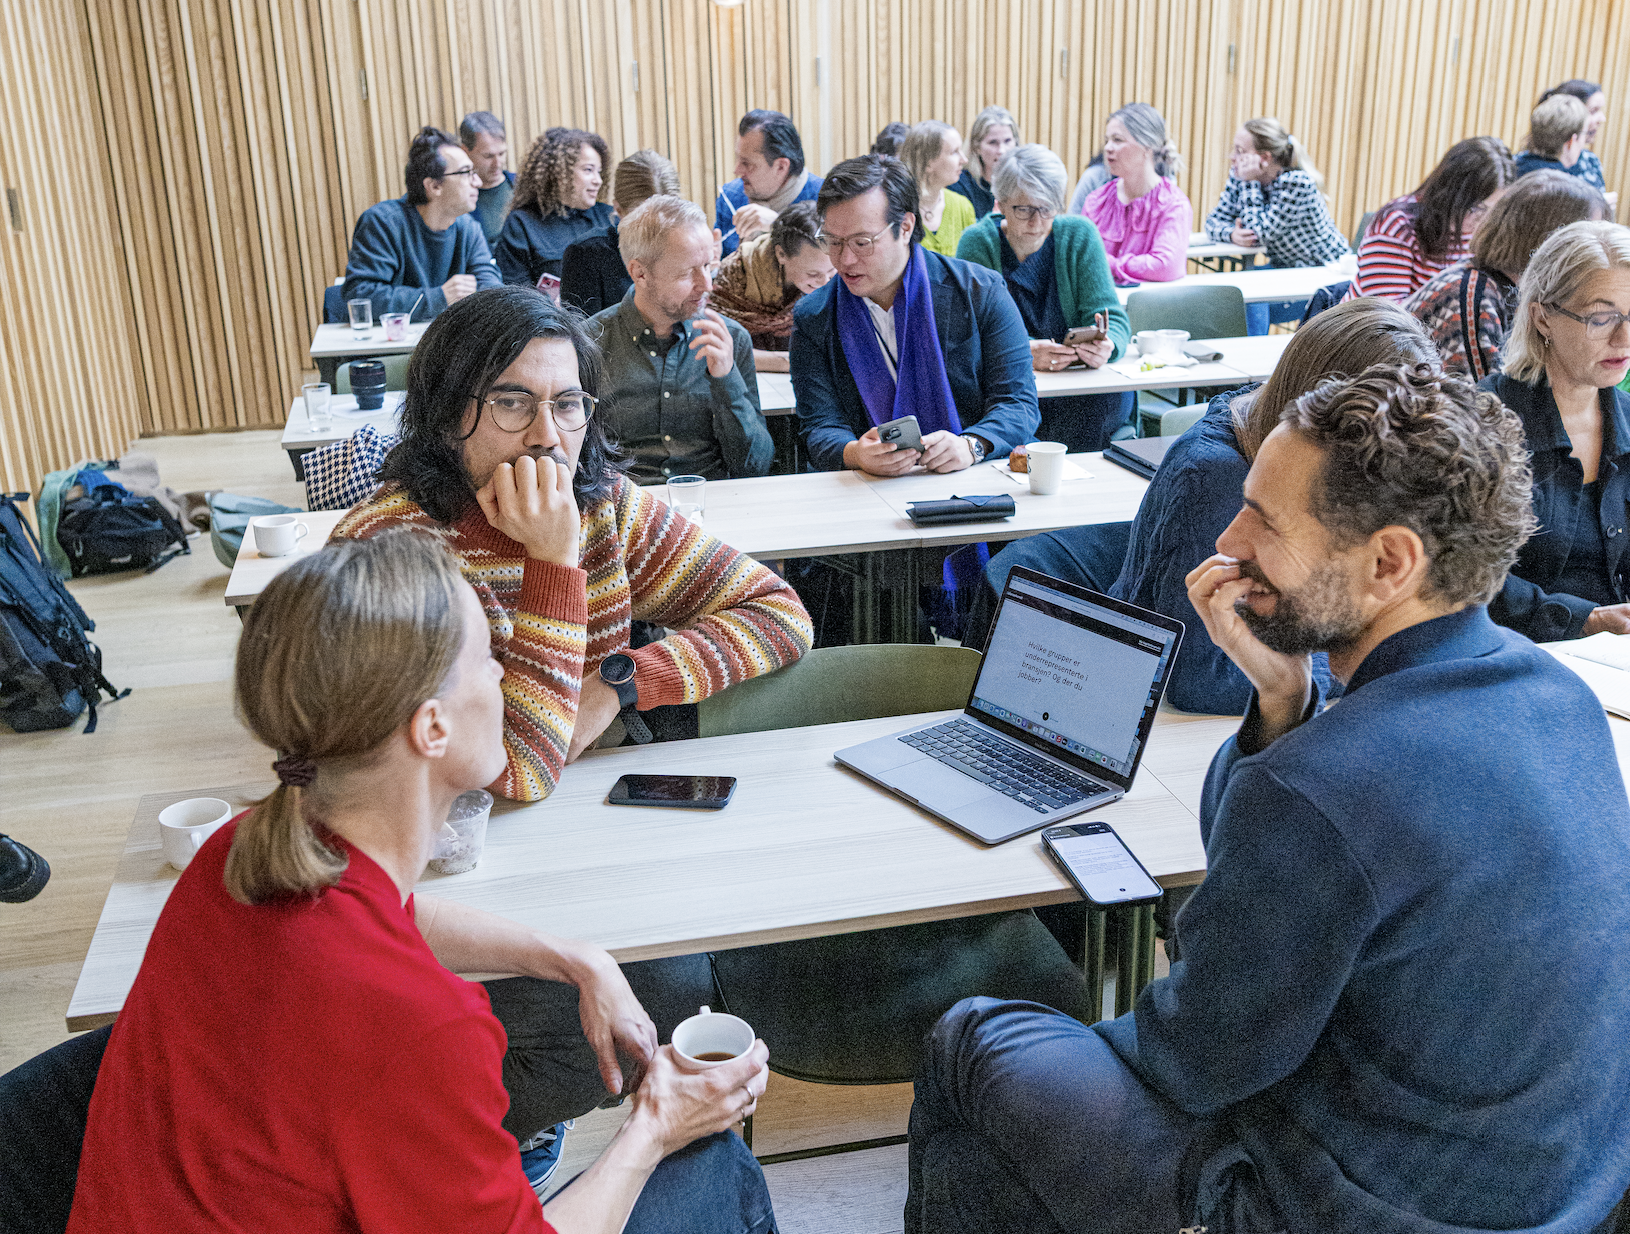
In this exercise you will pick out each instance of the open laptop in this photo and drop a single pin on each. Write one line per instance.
(1057, 720)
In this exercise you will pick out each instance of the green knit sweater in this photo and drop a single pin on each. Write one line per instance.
(1084, 284)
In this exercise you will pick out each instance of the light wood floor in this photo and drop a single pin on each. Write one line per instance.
(71, 797)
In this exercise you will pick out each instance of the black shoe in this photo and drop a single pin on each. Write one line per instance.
(23, 872)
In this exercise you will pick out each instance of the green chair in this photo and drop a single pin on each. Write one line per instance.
(1205, 312)
(1179, 420)
(396, 368)
(1363, 226)
(854, 1008)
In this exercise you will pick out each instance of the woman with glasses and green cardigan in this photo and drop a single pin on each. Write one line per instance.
(1058, 275)
(1568, 349)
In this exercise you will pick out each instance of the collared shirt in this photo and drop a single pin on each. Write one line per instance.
(662, 407)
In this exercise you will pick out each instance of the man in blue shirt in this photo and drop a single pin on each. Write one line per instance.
(1403, 998)
(770, 176)
(423, 251)
(482, 135)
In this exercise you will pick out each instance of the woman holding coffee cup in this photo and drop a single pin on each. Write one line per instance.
(1059, 276)
(296, 1052)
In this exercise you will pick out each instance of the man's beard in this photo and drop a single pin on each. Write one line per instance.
(1318, 616)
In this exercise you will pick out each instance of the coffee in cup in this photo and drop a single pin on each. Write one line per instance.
(710, 1038)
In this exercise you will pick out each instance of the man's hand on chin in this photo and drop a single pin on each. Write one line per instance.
(1282, 682)
(597, 707)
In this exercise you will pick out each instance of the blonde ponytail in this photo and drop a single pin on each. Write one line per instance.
(1272, 138)
(276, 854)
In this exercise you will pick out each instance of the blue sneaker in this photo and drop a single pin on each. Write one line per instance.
(541, 1155)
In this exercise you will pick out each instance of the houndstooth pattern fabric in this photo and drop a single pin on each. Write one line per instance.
(1290, 218)
(342, 473)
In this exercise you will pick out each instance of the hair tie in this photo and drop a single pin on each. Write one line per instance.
(294, 771)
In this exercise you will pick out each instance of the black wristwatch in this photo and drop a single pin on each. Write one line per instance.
(617, 671)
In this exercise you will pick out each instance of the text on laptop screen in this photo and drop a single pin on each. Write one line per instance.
(1072, 673)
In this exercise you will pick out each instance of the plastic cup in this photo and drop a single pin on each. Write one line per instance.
(687, 495)
(317, 396)
(710, 1038)
(185, 826)
(464, 834)
(1046, 466)
(396, 325)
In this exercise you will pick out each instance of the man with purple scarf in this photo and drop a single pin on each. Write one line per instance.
(966, 372)
(903, 332)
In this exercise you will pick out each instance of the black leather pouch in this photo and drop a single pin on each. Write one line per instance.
(986, 509)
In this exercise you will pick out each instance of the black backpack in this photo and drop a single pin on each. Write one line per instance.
(49, 670)
(109, 529)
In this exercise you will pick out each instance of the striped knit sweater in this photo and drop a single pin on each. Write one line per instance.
(732, 618)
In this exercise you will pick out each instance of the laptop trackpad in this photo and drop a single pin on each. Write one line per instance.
(936, 785)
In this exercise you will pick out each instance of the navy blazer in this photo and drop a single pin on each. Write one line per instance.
(987, 359)
(1526, 602)
(1401, 980)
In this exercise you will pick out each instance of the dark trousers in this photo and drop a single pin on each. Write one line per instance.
(1088, 556)
(1025, 1119)
(550, 1071)
(1084, 421)
(712, 1186)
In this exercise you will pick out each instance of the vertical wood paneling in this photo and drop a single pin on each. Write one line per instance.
(172, 282)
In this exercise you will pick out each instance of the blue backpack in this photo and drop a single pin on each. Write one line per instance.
(49, 670)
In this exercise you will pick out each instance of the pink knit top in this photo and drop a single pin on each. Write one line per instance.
(1146, 240)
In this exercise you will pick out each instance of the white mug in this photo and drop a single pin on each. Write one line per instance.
(276, 534)
(711, 1032)
(1046, 466)
(184, 827)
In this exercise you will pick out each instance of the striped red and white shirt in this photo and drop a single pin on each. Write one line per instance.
(1390, 262)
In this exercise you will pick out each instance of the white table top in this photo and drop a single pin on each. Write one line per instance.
(805, 849)
(338, 340)
(1202, 245)
(1259, 286)
(251, 572)
(1253, 358)
(775, 394)
(299, 435)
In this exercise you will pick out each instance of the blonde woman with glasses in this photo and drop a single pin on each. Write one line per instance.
(1568, 349)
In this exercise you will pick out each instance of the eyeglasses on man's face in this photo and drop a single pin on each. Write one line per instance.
(461, 171)
(860, 245)
(515, 410)
(1597, 325)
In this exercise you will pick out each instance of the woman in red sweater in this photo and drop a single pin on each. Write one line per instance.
(296, 1052)
(1414, 236)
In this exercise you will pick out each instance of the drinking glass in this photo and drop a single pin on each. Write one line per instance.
(687, 496)
(316, 397)
(362, 315)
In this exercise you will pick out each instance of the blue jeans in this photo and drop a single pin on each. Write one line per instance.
(711, 1186)
(1025, 1119)
(1258, 317)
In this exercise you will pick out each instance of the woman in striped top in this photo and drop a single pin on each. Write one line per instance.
(1414, 236)
(1468, 308)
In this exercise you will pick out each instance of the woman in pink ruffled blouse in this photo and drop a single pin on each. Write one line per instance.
(1144, 218)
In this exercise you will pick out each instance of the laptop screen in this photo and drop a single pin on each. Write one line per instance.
(1075, 673)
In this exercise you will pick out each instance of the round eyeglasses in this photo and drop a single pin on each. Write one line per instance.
(515, 410)
(860, 244)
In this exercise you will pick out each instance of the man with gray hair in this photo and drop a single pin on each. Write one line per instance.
(482, 135)
(681, 393)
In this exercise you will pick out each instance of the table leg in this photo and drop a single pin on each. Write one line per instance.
(1093, 961)
(297, 460)
(885, 599)
(1135, 960)
(327, 368)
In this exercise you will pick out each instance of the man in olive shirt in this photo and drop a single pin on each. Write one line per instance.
(482, 135)
(680, 394)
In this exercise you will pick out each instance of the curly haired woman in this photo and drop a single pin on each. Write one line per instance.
(556, 202)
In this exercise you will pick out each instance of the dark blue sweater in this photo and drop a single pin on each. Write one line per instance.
(1531, 601)
(531, 246)
(1404, 979)
(987, 360)
(395, 258)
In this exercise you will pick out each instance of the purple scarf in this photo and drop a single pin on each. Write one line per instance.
(923, 390)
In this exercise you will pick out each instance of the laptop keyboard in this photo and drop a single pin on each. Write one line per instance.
(1007, 768)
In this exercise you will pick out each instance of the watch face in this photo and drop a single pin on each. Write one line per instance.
(617, 669)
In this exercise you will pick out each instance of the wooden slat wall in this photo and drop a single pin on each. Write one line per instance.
(69, 381)
(236, 141)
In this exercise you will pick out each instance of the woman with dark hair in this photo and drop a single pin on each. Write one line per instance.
(1414, 236)
(556, 201)
(760, 282)
(296, 1052)
(1468, 308)
(1589, 167)
(889, 138)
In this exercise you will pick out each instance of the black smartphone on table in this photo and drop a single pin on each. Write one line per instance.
(1100, 865)
(904, 433)
(673, 792)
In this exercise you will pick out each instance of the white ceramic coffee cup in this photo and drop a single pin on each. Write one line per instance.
(711, 1032)
(1046, 466)
(1168, 343)
(277, 534)
(184, 827)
